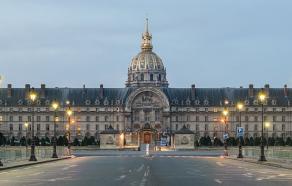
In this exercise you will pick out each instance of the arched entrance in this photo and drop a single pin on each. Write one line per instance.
(147, 108)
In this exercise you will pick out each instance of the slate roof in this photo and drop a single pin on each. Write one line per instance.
(118, 96)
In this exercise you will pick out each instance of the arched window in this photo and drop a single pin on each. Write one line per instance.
(151, 77)
(159, 77)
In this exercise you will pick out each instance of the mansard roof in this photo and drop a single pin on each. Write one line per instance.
(117, 96)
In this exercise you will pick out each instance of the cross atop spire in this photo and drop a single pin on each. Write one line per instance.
(146, 39)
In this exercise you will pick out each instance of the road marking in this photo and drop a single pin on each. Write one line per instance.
(121, 177)
(220, 164)
(3, 172)
(140, 168)
(218, 181)
(35, 174)
(146, 174)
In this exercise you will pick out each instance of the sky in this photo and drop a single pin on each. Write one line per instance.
(208, 43)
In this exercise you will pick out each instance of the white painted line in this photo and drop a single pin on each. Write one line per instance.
(218, 181)
(220, 164)
(140, 168)
(121, 177)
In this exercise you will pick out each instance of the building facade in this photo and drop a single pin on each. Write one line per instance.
(146, 110)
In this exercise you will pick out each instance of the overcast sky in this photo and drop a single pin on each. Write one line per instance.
(210, 43)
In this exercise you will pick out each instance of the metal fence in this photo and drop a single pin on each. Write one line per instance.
(9, 154)
(270, 153)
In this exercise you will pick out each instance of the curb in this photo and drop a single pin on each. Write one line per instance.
(34, 163)
(261, 163)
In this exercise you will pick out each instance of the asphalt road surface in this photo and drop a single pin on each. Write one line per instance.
(142, 171)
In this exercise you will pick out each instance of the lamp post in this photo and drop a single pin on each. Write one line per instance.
(32, 97)
(239, 107)
(262, 98)
(69, 112)
(267, 125)
(55, 106)
(225, 114)
(26, 128)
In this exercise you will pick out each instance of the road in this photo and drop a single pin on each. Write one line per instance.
(143, 171)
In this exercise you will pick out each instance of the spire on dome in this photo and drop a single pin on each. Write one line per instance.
(146, 39)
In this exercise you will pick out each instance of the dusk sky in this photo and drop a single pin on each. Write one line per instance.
(209, 43)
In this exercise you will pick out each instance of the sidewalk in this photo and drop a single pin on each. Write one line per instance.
(22, 163)
(280, 163)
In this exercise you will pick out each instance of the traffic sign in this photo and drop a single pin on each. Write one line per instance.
(225, 136)
(240, 131)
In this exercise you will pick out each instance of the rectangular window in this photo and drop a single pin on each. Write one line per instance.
(105, 127)
(246, 118)
(38, 127)
(29, 118)
(197, 118)
(206, 109)
(283, 109)
(118, 127)
(206, 127)
(117, 118)
(47, 127)
(1, 118)
(283, 118)
(246, 128)
(274, 127)
(256, 118)
(157, 115)
(176, 118)
(20, 118)
(176, 126)
(188, 118)
(47, 118)
(38, 118)
(20, 127)
(97, 127)
(283, 127)
(197, 127)
(105, 118)
(206, 118)
(87, 126)
(11, 127)
(188, 126)
(97, 118)
(255, 127)
(10, 118)
(237, 118)
(87, 118)
(274, 118)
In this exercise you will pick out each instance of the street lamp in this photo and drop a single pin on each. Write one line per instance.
(26, 128)
(32, 97)
(69, 112)
(55, 106)
(225, 114)
(239, 107)
(267, 126)
(262, 98)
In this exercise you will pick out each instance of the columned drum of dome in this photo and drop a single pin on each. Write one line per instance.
(146, 68)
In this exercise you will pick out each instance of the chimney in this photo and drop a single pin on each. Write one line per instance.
(43, 91)
(9, 90)
(285, 91)
(101, 91)
(250, 90)
(193, 92)
(267, 87)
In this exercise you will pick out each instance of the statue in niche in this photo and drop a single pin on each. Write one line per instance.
(184, 140)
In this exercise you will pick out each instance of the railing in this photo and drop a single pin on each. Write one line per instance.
(9, 154)
(270, 153)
